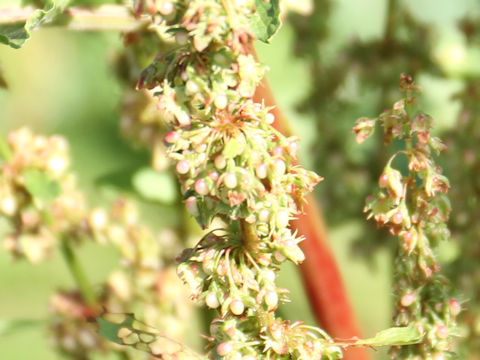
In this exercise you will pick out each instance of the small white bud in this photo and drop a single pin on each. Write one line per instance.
(211, 300)
(230, 180)
(182, 167)
(237, 307)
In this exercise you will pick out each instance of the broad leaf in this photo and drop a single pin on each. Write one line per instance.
(155, 186)
(40, 185)
(15, 34)
(266, 20)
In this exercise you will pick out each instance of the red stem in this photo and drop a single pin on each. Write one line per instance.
(320, 274)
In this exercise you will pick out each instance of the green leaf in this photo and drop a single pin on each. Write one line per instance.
(156, 186)
(405, 335)
(40, 185)
(265, 22)
(109, 330)
(15, 34)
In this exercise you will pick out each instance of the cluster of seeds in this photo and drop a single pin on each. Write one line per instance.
(234, 166)
(415, 208)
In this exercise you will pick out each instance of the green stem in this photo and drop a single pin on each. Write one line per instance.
(107, 17)
(77, 272)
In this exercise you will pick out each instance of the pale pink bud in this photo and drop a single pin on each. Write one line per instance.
(220, 162)
(166, 8)
(213, 175)
(278, 150)
(280, 167)
(183, 167)
(455, 307)
(442, 332)
(230, 180)
(171, 137)
(261, 171)
(225, 348)
(191, 205)
(407, 299)
(293, 148)
(211, 300)
(237, 307)
(397, 218)
(201, 187)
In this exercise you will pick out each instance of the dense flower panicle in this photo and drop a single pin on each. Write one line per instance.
(233, 165)
(415, 208)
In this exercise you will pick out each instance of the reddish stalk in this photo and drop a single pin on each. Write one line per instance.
(320, 274)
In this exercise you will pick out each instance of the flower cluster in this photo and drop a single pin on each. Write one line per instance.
(412, 204)
(38, 195)
(45, 210)
(232, 165)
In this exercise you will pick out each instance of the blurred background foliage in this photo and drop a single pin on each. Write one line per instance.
(64, 82)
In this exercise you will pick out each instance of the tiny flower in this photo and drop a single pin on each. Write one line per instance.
(237, 307)
(166, 8)
(221, 101)
(8, 205)
(182, 167)
(279, 167)
(271, 299)
(264, 215)
(225, 348)
(455, 307)
(230, 180)
(270, 118)
(220, 162)
(171, 137)
(282, 218)
(408, 299)
(201, 187)
(261, 171)
(211, 300)
(442, 332)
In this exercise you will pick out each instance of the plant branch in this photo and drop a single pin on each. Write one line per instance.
(106, 17)
(77, 272)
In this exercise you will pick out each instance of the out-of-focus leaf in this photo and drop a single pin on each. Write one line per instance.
(3, 82)
(403, 335)
(156, 186)
(40, 185)
(266, 20)
(15, 34)
(124, 329)
(8, 327)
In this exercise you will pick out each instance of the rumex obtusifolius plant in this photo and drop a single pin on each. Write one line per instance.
(235, 167)
(412, 204)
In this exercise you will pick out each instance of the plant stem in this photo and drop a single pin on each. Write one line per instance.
(77, 272)
(320, 274)
(106, 17)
